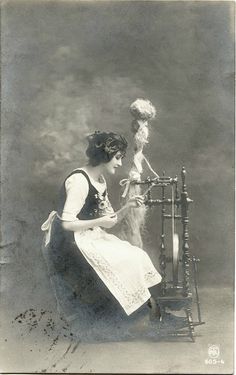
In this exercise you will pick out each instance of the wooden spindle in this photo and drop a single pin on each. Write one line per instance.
(185, 248)
(162, 258)
(183, 176)
(176, 192)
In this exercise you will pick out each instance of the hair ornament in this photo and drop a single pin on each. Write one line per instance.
(104, 145)
(99, 145)
(109, 142)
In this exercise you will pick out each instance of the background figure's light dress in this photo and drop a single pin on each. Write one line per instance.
(94, 272)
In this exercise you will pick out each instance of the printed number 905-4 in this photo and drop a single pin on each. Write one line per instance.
(214, 361)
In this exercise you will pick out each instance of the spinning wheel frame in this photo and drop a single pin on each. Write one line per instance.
(170, 298)
(164, 182)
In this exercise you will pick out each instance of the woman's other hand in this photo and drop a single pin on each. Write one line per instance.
(108, 221)
(136, 201)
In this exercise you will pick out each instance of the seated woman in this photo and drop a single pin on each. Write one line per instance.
(94, 273)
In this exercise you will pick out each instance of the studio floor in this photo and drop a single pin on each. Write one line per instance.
(33, 340)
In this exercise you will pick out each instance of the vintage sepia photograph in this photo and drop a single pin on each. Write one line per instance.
(117, 187)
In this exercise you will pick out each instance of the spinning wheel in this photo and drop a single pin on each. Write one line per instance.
(176, 261)
(178, 267)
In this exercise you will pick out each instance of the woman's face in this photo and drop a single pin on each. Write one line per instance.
(114, 163)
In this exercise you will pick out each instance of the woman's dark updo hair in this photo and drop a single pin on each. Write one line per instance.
(103, 146)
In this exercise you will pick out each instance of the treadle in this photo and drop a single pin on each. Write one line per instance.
(173, 326)
(173, 300)
(198, 323)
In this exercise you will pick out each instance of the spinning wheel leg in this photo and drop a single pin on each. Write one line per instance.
(190, 323)
(155, 313)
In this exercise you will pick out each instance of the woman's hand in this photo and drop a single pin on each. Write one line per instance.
(136, 201)
(108, 221)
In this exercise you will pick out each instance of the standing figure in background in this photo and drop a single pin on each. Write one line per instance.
(133, 223)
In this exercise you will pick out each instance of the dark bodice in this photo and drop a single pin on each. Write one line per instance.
(94, 203)
(79, 291)
(78, 284)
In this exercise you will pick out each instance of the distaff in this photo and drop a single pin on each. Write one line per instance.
(142, 110)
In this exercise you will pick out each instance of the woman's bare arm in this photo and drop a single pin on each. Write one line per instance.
(77, 225)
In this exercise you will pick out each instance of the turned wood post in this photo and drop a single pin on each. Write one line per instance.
(186, 259)
(162, 258)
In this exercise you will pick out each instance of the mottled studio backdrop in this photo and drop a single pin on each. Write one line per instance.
(69, 68)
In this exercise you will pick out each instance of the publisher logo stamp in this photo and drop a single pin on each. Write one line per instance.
(214, 355)
(214, 351)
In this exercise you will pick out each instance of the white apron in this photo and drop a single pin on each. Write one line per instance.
(126, 270)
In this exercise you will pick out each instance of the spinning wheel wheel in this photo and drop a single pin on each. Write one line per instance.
(175, 260)
(175, 240)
